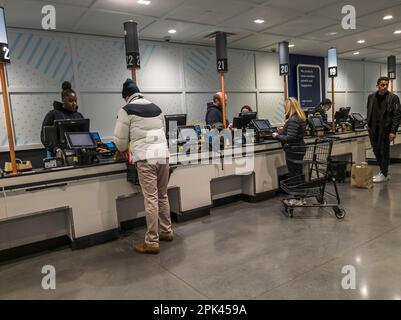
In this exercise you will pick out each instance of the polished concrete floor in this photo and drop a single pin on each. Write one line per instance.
(241, 251)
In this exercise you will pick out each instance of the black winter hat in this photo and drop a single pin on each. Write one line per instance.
(129, 88)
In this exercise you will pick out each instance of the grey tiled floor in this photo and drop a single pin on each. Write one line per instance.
(242, 251)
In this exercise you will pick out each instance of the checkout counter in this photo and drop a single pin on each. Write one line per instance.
(90, 203)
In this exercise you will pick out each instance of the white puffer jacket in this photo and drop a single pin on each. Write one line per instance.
(140, 124)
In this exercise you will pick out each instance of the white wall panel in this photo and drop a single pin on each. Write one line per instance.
(101, 64)
(200, 69)
(3, 130)
(354, 71)
(168, 102)
(197, 106)
(28, 112)
(39, 61)
(160, 67)
(372, 73)
(267, 73)
(357, 102)
(102, 110)
(241, 71)
(271, 107)
(236, 101)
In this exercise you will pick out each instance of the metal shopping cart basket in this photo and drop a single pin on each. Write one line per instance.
(309, 189)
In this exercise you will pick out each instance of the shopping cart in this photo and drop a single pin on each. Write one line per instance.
(309, 190)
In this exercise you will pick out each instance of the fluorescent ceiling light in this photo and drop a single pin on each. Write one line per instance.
(388, 17)
(172, 31)
(356, 53)
(361, 41)
(291, 46)
(397, 32)
(145, 2)
(259, 21)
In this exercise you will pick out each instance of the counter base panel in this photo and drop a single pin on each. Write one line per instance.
(191, 214)
(95, 239)
(34, 248)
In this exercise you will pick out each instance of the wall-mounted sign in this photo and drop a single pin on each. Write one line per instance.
(309, 80)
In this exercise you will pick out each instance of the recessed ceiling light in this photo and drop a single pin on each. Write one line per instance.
(356, 53)
(259, 21)
(331, 33)
(361, 41)
(397, 32)
(291, 45)
(172, 31)
(388, 17)
(145, 2)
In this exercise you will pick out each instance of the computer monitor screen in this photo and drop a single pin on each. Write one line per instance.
(96, 136)
(358, 117)
(316, 122)
(342, 114)
(180, 119)
(78, 140)
(262, 125)
(187, 133)
(70, 125)
(246, 118)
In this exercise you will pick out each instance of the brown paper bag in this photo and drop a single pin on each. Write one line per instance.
(362, 176)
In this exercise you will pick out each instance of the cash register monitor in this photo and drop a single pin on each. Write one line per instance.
(316, 122)
(187, 132)
(262, 125)
(96, 137)
(80, 140)
(180, 119)
(358, 117)
(70, 125)
(246, 118)
(342, 114)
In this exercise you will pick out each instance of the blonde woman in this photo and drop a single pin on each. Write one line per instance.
(292, 135)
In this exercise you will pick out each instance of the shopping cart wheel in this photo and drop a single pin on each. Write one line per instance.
(340, 213)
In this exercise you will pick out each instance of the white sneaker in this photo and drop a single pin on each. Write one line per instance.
(377, 176)
(380, 178)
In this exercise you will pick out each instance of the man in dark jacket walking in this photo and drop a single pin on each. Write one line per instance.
(383, 118)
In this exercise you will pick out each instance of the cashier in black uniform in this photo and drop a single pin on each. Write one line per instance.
(214, 113)
(65, 110)
(322, 109)
(246, 108)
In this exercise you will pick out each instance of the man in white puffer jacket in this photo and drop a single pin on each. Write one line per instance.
(140, 129)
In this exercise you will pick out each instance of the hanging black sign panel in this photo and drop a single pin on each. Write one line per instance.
(4, 50)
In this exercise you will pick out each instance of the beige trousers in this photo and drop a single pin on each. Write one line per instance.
(153, 178)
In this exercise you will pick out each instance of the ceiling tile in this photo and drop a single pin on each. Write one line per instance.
(208, 11)
(79, 3)
(257, 41)
(271, 16)
(363, 7)
(185, 31)
(66, 17)
(376, 19)
(327, 34)
(303, 25)
(114, 25)
(157, 8)
(304, 6)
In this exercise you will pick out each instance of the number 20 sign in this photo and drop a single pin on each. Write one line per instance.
(284, 69)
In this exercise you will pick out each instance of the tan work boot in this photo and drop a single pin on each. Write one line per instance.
(166, 236)
(144, 248)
